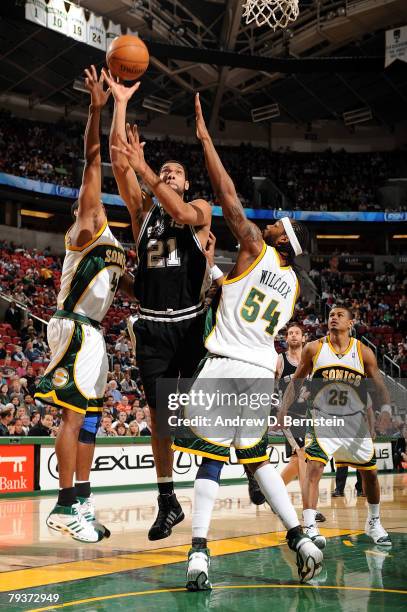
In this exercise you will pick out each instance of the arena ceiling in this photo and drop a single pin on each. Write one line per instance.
(330, 61)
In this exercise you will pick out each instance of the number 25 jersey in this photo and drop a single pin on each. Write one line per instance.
(253, 307)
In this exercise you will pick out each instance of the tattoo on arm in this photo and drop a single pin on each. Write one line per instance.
(243, 229)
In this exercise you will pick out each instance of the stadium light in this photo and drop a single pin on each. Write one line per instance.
(360, 115)
(264, 113)
(118, 224)
(157, 104)
(338, 236)
(400, 236)
(25, 212)
(79, 85)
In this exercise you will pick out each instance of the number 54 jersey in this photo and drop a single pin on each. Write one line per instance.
(253, 307)
(91, 274)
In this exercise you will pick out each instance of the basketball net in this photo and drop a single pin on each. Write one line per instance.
(275, 13)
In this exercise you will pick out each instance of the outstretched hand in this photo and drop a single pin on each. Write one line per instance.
(132, 149)
(99, 96)
(120, 92)
(201, 129)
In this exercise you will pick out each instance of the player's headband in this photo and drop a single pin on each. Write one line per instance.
(291, 235)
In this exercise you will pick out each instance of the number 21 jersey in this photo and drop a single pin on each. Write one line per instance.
(173, 275)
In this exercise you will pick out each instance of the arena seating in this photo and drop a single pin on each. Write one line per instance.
(311, 181)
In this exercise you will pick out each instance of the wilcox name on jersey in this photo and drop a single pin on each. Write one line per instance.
(276, 282)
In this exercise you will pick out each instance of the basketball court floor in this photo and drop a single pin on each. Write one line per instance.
(252, 567)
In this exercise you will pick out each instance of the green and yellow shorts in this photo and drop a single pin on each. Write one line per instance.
(76, 376)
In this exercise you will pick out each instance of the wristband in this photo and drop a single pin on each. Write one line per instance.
(216, 273)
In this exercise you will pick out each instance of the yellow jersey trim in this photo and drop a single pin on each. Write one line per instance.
(359, 347)
(310, 458)
(253, 459)
(333, 350)
(315, 357)
(193, 451)
(356, 465)
(249, 269)
(91, 241)
(52, 395)
(277, 256)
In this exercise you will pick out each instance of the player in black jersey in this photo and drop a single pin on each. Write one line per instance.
(286, 366)
(170, 284)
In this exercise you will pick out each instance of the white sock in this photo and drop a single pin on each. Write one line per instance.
(274, 490)
(80, 481)
(373, 510)
(309, 517)
(205, 494)
(162, 479)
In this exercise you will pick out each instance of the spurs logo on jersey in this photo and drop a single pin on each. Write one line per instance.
(338, 380)
(172, 276)
(253, 308)
(91, 274)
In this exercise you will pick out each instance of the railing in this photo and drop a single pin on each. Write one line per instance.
(370, 344)
(393, 366)
(26, 311)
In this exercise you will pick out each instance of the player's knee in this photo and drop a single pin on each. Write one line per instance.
(210, 469)
(87, 434)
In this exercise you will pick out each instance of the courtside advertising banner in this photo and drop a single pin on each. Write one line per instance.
(16, 469)
(134, 465)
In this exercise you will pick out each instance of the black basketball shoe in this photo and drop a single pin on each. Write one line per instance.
(255, 493)
(169, 514)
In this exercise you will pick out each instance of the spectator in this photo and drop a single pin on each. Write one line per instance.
(127, 385)
(13, 316)
(124, 405)
(3, 351)
(18, 354)
(32, 353)
(106, 430)
(6, 417)
(114, 391)
(147, 429)
(25, 419)
(140, 419)
(4, 394)
(16, 428)
(30, 378)
(21, 370)
(121, 429)
(35, 419)
(121, 418)
(134, 429)
(42, 428)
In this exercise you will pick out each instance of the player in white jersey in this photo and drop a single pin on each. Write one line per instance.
(339, 366)
(76, 376)
(258, 298)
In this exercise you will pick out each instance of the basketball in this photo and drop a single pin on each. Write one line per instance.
(127, 57)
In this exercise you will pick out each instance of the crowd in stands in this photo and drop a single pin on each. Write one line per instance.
(311, 181)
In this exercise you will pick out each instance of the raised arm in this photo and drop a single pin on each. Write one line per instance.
(91, 214)
(247, 233)
(196, 213)
(126, 179)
